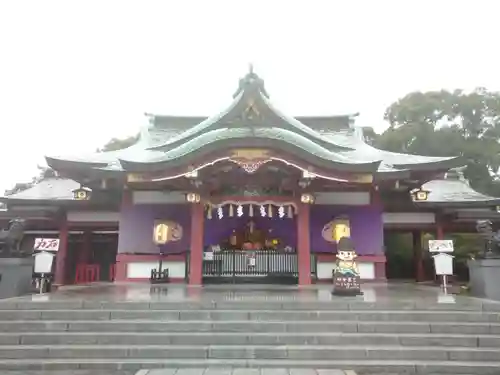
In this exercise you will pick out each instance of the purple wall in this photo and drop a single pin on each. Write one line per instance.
(136, 228)
(218, 230)
(367, 228)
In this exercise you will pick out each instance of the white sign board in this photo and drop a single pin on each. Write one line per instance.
(46, 244)
(443, 263)
(440, 246)
(209, 255)
(43, 262)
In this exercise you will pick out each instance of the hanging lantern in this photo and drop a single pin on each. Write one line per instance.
(231, 211)
(281, 212)
(209, 211)
(250, 210)
(193, 197)
(239, 211)
(220, 213)
(290, 212)
(270, 211)
(307, 198)
(420, 195)
(262, 211)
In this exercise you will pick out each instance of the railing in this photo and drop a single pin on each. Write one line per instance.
(236, 263)
(89, 273)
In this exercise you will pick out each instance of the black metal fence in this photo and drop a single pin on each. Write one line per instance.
(259, 266)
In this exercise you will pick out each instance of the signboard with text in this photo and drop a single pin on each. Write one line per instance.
(46, 244)
(346, 284)
(440, 246)
(443, 263)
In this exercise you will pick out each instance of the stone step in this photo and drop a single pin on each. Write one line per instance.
(248, 338)
(297, 305)
(292, 352)
(361, 367)
(252, 315)
(142, 326)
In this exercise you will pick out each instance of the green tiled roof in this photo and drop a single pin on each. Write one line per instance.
(252, 121)
(454, 190)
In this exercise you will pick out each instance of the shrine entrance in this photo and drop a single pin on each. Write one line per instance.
(251, 242)
(247, 266)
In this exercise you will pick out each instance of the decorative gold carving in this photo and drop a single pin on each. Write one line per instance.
(166, 231)
(362, 178)
(136, 177)
(250, 159)
(249, 154)
(251, 111)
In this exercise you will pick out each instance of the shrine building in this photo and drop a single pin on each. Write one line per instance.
(250, 194)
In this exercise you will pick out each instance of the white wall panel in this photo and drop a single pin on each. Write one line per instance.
(357, 198)
(142, 270)
(408, 217)
(93, 216)
(150, 197)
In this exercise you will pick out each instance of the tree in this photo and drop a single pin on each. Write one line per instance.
(118, 144)
(444, 123)
(46, 172)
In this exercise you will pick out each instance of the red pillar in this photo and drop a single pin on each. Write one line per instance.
(60, 273)
(418, 256)
(304, 244)
(197, 233)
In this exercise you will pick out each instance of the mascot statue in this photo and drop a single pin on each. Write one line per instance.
(346, 279)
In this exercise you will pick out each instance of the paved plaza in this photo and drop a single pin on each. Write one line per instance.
(193, 371)
(380, 293)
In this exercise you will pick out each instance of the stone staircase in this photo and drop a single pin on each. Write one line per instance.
(370, 338)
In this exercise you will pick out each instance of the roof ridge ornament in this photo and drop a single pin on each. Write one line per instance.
(251, 82)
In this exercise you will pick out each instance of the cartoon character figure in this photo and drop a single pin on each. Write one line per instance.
(346, 258)
(346, 263)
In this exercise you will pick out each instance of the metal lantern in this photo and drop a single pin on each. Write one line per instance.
(307, 198)
(420, 195)
(193, 198)
(81, 194)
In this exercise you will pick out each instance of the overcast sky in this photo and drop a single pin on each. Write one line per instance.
(74, 74)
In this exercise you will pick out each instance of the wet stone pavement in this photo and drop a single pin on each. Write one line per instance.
(194, 371)
(398, 293)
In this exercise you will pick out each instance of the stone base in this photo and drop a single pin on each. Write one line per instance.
(484, 276)
(16, 276)
(347, 292)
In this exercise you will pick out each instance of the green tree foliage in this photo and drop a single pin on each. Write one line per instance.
(444, 123)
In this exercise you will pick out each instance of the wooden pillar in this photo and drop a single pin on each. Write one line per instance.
(439, 229)
(418, 256)
(197, 234)
(86, 249)
(60, 272)
(304, 244)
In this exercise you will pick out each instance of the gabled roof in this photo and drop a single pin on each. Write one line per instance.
(60, 189)
(454, 191)
(252, 121)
